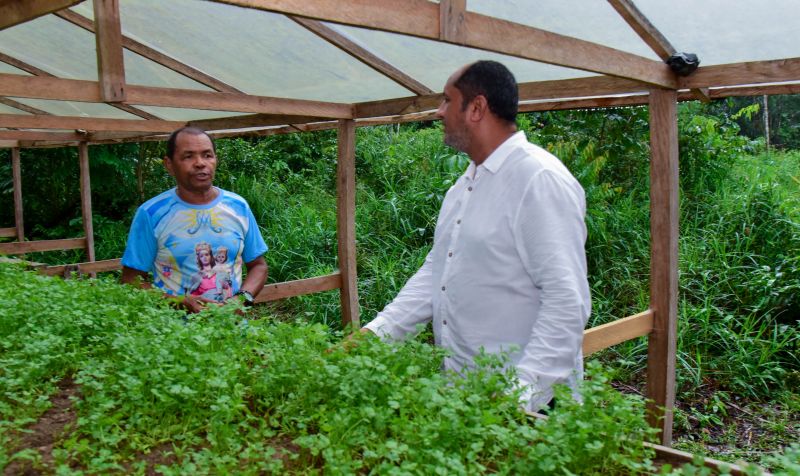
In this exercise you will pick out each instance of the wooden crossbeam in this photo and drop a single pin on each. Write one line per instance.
(14, 12)
(250, 120)
(87, 123)
(644, 28)
(29, 68)
(275, 291)
(8, 232)
(739, 74)
(22, 107)
(421, 18)
(362, 54)
(154, 55)
(83, 268)
(88, 91)
(18, 248)
(616, 332)
(42, 135)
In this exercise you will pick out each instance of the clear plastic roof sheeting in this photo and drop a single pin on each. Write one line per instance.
(267, 54)
(728, 31)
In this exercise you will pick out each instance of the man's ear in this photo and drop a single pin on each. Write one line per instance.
(478, 107)
(168, 165)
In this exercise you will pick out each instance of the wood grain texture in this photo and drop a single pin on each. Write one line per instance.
(615, 332)
(275, 291)
(16, 180)
(663, 260)
(86, 199)
(14, 12)
(346, 223)
(17, 248)
(108, 44)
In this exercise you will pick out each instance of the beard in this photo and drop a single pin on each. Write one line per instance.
(457, 137)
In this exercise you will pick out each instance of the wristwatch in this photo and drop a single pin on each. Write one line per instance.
(248, 298)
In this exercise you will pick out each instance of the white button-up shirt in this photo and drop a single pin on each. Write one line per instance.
(507, 271)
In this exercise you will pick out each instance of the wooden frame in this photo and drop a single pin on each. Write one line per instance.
(625, 79)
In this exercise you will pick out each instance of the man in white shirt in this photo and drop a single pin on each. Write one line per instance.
(507, 271)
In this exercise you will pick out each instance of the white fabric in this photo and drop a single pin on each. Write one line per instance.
(507, 271)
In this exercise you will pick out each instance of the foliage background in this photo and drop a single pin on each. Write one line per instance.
(739, 334)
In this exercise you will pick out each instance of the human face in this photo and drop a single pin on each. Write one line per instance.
(221, 257)
(204, 257)
(193, 164)
(453, 116)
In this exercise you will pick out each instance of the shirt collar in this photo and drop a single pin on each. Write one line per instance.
(498, 157)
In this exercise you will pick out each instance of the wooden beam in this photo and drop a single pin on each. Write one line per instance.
(88, 91)
(346, 223)
(662, 342)
(250, 120)
(8, 232)
(19, 248)
(22, 107)
(7, 144)
(46, 136)
(676, 458)
(154, 55)
(362, 54)
(644, 28)
(87, 123)
(110, 64)
(16, 180)
(451, 21)
(86, 199)
(28, 68)
(14, 12)
(275, 291)
(82, 268)
(741, 74)
(420, 18)
(621, 330)
(770, 89)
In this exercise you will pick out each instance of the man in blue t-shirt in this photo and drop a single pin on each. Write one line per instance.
(195, 237)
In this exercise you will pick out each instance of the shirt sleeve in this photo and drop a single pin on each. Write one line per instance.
(550, 234)
(254, 245)
(412, 306)
(141, 249)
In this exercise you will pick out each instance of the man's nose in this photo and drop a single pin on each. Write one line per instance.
(440, 111)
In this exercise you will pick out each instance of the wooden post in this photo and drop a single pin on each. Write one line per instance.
(108, 40)
(663, 260)
(16, 178)
(345, 222)
(766, 122)
(86, 199)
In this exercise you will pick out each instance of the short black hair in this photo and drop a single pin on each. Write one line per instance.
(493, 81)
(191, 130)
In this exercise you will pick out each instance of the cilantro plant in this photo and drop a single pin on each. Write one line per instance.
(213, 393)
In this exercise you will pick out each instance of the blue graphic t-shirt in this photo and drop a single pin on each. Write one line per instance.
(194, 249)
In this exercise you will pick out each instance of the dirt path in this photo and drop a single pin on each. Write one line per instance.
(46, 432)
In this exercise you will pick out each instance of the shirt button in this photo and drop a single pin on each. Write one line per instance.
(450, 254)
(458, 222)
(470, 189)
(444, 323)
(443, 288)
